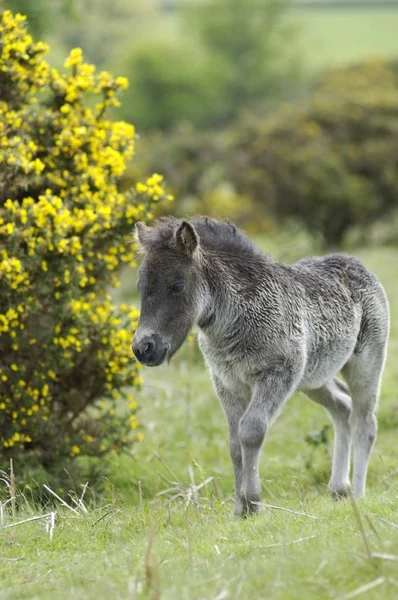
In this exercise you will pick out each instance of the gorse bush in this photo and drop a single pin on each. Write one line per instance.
(64, 232)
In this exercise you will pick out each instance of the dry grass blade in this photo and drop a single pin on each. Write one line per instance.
(288, 510)
(60, 500)
(304, 539)
(151, 575)
(384, 556)
(389, 523)
(12, 490)
(79, 501)
(38, 518)
(50, 525)
(6, 559)
(140, 495)
(362, 589)
(373, 528)
(160, 459)
(85, 486)
(177, 491)
(360, 525)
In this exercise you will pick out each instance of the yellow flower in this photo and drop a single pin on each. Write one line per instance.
(38, 166)
(122, 82)
(73, 236)
(75, 58)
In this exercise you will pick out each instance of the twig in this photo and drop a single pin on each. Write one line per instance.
(103, 517)
(384, 556)
(60, 499)
(360, 525)
(293, 512)
(362, 589)
(304, 539)
(111, 511)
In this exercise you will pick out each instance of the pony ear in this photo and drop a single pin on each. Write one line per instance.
(187, 240)
(142, 235)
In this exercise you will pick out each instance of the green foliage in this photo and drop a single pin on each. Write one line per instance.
(102, 27)
(42, 15)
(64, 227)
(39, 13)
(170, 82)
(330, 160)
(194, 164)
(253, 46)
(221, 57)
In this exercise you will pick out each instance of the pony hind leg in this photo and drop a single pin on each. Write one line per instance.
(363, 375)
(333, 396)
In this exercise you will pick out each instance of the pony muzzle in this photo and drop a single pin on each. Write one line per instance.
(150, 350)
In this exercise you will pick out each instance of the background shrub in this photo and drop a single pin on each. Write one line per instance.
(329, 160)
(64, 232)
(166, 87)
(217, 58)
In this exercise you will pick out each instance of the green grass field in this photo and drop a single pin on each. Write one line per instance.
(331, 37)
(133, 543)
(339, 37)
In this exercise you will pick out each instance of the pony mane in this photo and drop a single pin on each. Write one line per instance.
(214, 234)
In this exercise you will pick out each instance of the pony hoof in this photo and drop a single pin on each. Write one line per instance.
(339, 492)
(246, 508)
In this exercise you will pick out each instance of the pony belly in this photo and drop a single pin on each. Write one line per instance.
(321, 366)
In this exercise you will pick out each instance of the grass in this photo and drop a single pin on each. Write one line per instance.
(339, 37)
(133, 543)
(330, 37)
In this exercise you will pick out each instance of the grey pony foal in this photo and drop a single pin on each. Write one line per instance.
(266, 330)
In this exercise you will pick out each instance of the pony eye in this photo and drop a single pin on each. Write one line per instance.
(178, 286)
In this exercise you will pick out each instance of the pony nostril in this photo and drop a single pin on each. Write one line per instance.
(148, 349)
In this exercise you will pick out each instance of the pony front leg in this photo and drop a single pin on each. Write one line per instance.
(234, 404)
(268, 396)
